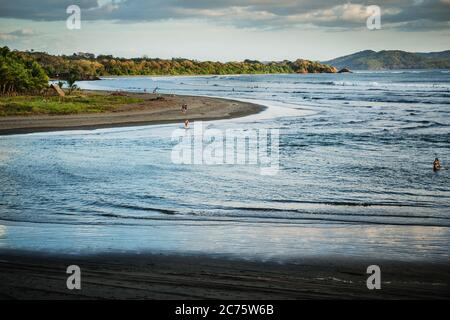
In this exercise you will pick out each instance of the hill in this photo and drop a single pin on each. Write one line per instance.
(435, 55)
(392, 59)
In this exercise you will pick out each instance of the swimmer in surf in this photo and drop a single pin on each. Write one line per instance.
(436, 165)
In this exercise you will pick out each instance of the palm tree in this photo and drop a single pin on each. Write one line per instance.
(72, 78)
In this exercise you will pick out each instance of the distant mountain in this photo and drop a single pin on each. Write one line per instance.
(392, 59)
(435, 55)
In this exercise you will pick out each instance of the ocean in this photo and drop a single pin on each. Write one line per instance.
(355, 175)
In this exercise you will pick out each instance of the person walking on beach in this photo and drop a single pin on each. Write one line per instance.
(184, 108)
(436, 165)
(186, 124)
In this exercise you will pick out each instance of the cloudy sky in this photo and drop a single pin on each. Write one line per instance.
(227, 29)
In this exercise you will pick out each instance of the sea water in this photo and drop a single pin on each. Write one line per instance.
(355, 175)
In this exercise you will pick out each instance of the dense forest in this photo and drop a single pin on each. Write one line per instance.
(89, 66)
(29, 72)
(20, 73)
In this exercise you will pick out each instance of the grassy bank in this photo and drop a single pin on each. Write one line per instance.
(77, 103)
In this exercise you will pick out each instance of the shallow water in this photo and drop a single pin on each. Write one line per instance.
(355, 177)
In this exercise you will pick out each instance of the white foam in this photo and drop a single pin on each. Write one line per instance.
(276, 109)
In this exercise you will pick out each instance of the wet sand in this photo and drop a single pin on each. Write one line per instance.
(155, 109)
(148, 276)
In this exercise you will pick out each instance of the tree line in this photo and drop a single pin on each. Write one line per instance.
(88, 66)
(29, 71)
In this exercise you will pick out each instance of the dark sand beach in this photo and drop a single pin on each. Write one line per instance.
(155, 109)
(132, 276)
(413, 255)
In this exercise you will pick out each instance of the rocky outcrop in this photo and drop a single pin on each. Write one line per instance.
(345, 70)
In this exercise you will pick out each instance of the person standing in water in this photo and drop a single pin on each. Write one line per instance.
(436, 165)
(186, 124)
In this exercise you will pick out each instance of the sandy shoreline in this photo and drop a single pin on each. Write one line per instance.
(146, 276)
(151, 111)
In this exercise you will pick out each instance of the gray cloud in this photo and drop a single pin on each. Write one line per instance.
(41, 10)
(403, 14)
(20, 33)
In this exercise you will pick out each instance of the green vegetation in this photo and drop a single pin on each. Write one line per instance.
(20, 73)
(24, 76)
(80, 103)
(72, 77)
(392, 59)
(87, 66)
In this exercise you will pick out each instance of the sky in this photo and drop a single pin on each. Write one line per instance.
(225, 30)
